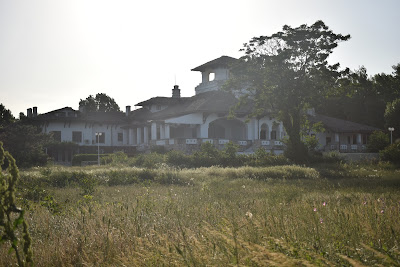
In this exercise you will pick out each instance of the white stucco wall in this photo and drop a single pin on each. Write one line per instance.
(195, 118)
(88, 132)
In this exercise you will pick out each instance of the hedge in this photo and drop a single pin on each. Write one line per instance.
(78, 158)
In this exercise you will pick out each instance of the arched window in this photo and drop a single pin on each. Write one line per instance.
(275, 134)
(264, 132)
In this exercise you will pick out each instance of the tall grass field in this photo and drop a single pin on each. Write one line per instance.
(325, 215)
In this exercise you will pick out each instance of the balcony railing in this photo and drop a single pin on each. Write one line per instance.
(346, 148)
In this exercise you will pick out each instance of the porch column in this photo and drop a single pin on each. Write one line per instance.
(145, 135)
(134, 137)
(125, 134)
(153, 131)
(359, 140)
(130, 141)
(269, 131)
(250, 132)
(166, 131)
(256, 130)
(204, 130)
(139, 135)
(162, 131)
(279, 135)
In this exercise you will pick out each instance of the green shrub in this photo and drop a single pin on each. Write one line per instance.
(121, 177)
(158, 149)
(284, 172)
(332, 157)
(391, 153)
(262, 158)
(115, 158)
(60, 179)
(178, 159)
(87, 183)
(377, 141)
(208, 156)
(169, 178)
(229, 157)
(78, 158)
(151, 161)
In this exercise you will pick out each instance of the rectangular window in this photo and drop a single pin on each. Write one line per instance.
(354, 139)
(56, 135)
(348, 140)
(100, 137)
(273, 135)
(328, 140)
(77, 137)
(120, 137)
(364, 139)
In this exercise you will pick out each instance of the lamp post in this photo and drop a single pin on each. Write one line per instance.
(98, 147)
(391, 129)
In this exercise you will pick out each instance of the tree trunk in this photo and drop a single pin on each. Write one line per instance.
(295, 148)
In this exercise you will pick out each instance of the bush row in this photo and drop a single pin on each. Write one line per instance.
(78, 158)
(207, 156)
(88, 179)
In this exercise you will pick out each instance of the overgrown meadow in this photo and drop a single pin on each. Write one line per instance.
(327, 214)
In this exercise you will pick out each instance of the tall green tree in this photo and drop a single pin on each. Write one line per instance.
(392, 117)
(388, 85)
(286, 72)
(26, 143)
(357, 100)
(5, 116)
(100, 103)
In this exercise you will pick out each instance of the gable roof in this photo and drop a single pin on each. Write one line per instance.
(223, 61)
(342, 126)
(100, 117)
(159, 100)
(53, 112)
(210, 102)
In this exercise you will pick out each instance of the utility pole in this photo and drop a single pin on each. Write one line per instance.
(98, 134)
(391, 129)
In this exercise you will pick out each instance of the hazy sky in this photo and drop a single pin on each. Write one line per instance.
(54, 53)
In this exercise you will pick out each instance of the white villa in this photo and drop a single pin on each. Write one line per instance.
(184, 123)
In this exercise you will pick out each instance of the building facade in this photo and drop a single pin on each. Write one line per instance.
(184, 123)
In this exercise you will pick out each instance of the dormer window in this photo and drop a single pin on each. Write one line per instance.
(158, 107)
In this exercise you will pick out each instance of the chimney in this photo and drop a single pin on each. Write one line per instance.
(34, 111)
(128, 110)
(29, 113)
(176, 92)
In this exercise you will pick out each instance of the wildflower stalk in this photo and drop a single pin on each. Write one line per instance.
(8, 210)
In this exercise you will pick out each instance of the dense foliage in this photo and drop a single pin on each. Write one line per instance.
(362, 98)
(392, 117)
(391, 153)
(377, 141)
(101, 102)
(5, 116)
(26, 143)
(287, 72)
(79, 158)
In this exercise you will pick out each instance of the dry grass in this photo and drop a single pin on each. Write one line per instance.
(221, 217)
